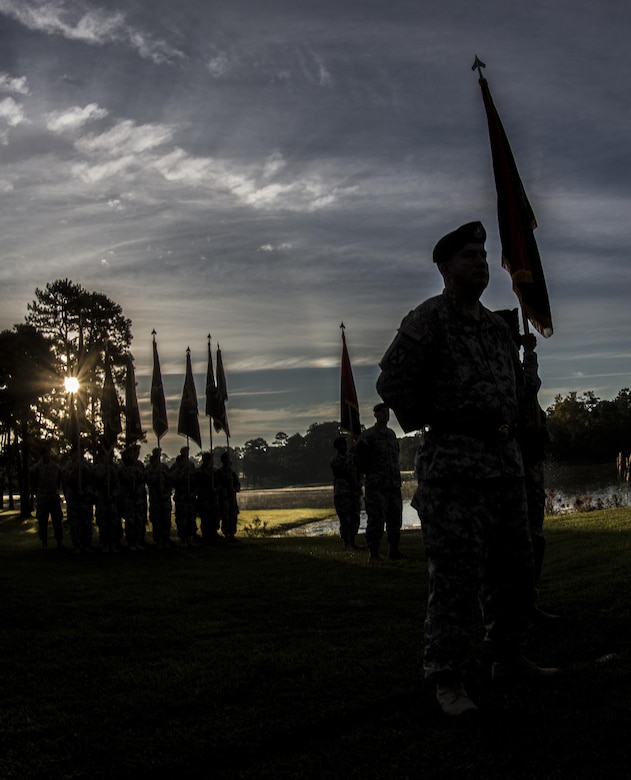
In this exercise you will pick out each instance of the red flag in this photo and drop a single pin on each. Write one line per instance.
(188, 419)
(159, 419)
(110, 409)
(349, 413)
(133, 426)
(520, 255)
(220, 420)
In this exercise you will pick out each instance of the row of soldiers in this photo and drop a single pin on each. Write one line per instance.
(121, 496)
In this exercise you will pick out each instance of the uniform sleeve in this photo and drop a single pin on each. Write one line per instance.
(405, 377)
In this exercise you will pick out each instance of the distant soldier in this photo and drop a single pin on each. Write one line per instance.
(377, 458)
(228, 486)
(107, 502)
(158, 481)
(347, 493)
(207, 504)
(134, 498)
(185, 484)
(46, 477)
(78, 490)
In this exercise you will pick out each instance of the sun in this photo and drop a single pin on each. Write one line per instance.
(71, 383)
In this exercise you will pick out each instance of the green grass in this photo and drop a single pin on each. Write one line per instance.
(287, 657)
(261, 522)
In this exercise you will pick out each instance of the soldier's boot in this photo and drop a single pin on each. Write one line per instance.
(373, 553)
(354, 544)
(395, 554)
(453, 699)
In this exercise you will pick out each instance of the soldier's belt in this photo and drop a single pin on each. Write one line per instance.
(477, 430)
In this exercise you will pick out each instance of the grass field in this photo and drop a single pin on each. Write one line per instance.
(286, 657)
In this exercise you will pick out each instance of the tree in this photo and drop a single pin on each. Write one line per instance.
(81, 325)
(27, 375)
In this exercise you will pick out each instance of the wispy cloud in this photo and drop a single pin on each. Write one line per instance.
(16, 85)
(74, 118)
(11, 115)
(93, 26)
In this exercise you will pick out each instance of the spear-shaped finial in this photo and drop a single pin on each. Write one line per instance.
(153, 333)
(342, 326)
(478, 64)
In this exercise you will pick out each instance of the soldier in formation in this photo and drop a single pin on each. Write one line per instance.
(228, 486)
(46, 479)
(377, 459)
(453, 371)
(347, 493)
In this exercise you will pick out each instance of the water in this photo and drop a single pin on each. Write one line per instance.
(567, 487)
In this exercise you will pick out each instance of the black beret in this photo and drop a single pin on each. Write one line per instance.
(446, 248)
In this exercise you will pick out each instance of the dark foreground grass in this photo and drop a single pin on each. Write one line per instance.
(272, 658)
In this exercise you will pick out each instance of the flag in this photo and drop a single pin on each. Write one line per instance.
(133, 426)
(159, 419)
(110, 409)
(349, 413)
(212, 398)
(520, 255)
(220, 419)
(188, 419)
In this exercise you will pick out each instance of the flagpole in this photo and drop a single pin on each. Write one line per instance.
(153, 335)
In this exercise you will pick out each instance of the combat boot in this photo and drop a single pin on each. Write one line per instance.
(521, 668)
(453, 699)
(373, 553)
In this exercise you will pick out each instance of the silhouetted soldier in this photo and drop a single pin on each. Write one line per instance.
(77, 485)
(107, 502)
(134, 498)
(228, 486)
(377, 458)
(207, 504)
(46, 481)
(158, 480)
(346, 493)
(185, 484)
(453, 367)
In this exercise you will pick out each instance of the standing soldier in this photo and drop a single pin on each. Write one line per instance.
(76, 480)
(107, 502)
(158, 482)
(453, 370)
(228, 486)
(346, 493)
(377, 458)
(183, 475)
(46, 476)
(207, 506)
(134, 498)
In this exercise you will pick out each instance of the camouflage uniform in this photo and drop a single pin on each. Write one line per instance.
(78, 490)
(158, 480)
(46, 476)
(134, 501)
(207, 505)
(533, 439)
(107, 504)
(377, 457)
(228, 486)
(461, 377)
(346, 496)
(183, 477)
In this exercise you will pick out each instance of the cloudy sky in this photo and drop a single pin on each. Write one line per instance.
(261, 171)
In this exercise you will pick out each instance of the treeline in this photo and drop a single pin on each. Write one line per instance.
(300, 460)
(587, 429)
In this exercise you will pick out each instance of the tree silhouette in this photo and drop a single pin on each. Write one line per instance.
(81, 325)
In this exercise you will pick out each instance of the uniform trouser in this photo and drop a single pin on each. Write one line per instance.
(135, 513)
(79, 515)
(108, 522)
(536, 495)
(383, 507)
(348, 508)
(208, 519)
(186, 518)
(479, 551)
(50, 505)
(160, 517)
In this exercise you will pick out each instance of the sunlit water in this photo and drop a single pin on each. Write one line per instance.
(568, 489)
